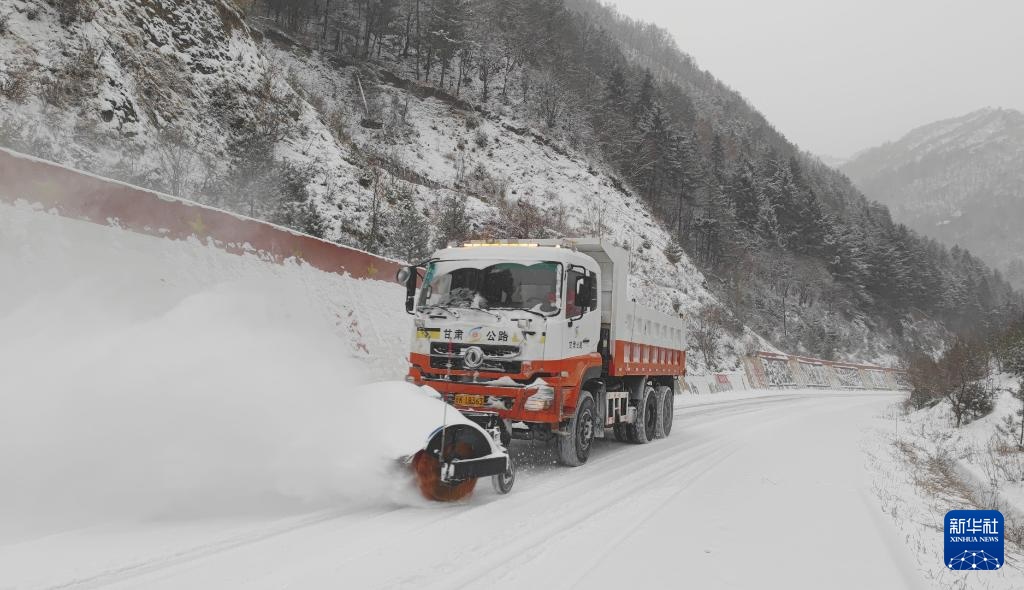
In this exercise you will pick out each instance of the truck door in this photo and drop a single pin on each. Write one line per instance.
(581, 316)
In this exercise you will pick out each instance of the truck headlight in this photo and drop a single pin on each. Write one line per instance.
(541, 399)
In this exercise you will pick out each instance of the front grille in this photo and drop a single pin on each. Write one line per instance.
(458, 349)
(488, 366)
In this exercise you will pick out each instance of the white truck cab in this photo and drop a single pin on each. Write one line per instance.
(542, 334)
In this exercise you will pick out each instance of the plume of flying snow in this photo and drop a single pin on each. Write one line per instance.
(146, 378)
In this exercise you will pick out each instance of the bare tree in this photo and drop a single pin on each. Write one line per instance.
(176, 160)
(964, 369)
(465, 55)
(1019, 394)
(374, 234)
(706, 333)
(550, 98)
(511, 58)
(488, 62)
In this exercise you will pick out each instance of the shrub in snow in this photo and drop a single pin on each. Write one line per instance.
(15, 84)
(295, 208)
(481, 183)
(72, 11)
(451, 221)
(337, 123)
(706, 331)
(517, 218)
(960, 378)
(971, 401)
(1019, 426)
(74, 79)
(674, 252)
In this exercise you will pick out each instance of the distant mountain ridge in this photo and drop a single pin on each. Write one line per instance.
(959, 180)
(400, 126)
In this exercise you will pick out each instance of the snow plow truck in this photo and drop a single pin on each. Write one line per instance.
(535, 339)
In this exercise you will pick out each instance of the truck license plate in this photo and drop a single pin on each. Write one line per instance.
(463, 399)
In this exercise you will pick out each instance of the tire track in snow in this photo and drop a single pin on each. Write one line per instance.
(569, 526)
(609, 465)
(632, 481)
(145, 566)
(616, 477)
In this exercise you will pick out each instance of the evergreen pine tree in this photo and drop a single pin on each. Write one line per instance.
(411, 232)
(452, 221)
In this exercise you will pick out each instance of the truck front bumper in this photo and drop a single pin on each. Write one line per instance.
(507, 401)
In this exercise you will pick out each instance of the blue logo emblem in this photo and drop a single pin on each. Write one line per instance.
(974, 539)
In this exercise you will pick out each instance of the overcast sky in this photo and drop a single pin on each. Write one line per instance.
(840, 76)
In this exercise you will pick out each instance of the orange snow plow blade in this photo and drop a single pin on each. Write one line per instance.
(428, 477)
(454, 458)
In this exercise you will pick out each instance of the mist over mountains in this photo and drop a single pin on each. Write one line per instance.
(960, 181)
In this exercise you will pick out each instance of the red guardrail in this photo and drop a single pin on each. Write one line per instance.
(83, 196)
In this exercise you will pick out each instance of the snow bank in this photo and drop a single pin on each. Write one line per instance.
(923, 466)
(983, 452)
(148, 378)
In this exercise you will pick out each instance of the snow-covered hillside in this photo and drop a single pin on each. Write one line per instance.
(157, 93)
(169, 113)
(443, 147)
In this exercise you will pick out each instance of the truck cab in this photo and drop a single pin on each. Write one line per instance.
(526, 331)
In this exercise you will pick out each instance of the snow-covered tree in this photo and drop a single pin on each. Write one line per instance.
(451, 220)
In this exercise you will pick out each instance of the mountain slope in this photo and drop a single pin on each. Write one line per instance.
(401, 125)
(192, 99)
(960, 180)
(762, 217)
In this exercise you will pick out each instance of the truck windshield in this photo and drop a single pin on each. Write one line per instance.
(491, 285)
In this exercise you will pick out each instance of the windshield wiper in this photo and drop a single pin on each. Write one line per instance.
(490, 313)
(443, 308)
(535, 312)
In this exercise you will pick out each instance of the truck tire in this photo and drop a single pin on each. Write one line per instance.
(502, 482)
(666, 410)
(574, 447)
(645, 428)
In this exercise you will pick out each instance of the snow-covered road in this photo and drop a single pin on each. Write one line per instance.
(179, 417)
(763, 491)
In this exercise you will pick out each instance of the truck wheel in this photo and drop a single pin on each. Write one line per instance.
(574, 447)
(646, 426)
(503, 481)
(666, 405)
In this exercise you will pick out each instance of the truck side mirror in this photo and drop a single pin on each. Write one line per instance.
(407, 276)
(587, 298)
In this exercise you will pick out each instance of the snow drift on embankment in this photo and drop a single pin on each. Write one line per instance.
(150, 378)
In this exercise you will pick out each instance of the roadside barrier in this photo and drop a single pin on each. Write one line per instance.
(79, 195)
(775, 370)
